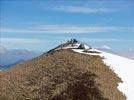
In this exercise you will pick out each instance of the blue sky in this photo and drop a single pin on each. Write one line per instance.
(42, 24)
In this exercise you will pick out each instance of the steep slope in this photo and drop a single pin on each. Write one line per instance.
(60, 75)
(122, 66)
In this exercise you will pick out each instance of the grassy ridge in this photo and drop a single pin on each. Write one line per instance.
(61, 75)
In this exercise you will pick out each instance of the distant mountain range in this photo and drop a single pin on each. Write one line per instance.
(12, 57)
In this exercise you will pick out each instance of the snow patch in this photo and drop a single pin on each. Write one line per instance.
(122, 66)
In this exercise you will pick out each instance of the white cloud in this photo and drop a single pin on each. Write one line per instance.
(20, 41)
(64, 29)
(131, 49)
(13, 30)
(84, 10)
(104, 40)
(93, 40)
(106, 47)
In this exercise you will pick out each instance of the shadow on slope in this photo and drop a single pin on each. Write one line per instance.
(83, 88)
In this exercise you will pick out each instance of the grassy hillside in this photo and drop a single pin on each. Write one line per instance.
(61, 75)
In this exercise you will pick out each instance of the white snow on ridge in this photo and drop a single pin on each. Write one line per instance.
(122, 66)
(74, 46)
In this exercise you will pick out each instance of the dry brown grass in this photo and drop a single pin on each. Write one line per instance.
(61, 75)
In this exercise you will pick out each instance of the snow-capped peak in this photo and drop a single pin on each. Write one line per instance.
(72, 44)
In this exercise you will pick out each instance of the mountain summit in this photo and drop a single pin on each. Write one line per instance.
(71, 71)
(71, 44)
